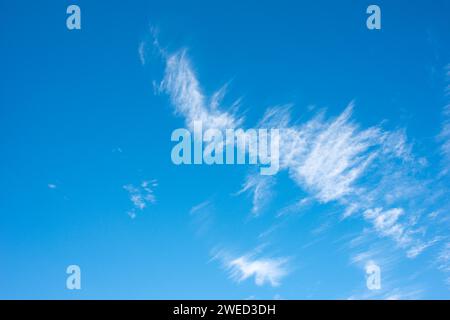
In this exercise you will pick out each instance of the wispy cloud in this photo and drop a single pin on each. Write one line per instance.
(371, 172)
(261, 189)
(444, 135)
(444, 257)
(327, 157)
(202, 217)
(295, 207)
(387, 224)
(408, 294)
(324, 157)
(142, 52)
(392, 288)
(443, 261)
(417, 249)
(364, 170)
(150, 42)
(264, 270)
(201, 206)
(381, 254)
(411, 293)
(181, 84)
(141, 196)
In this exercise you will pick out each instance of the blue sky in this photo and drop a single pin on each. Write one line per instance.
(87, 178)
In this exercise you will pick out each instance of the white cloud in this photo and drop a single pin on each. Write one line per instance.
(447, 74)
(361, 257)
(269, 271)
(417, 249)
(410, 293)
(334, 160)
(142, 52)
(362, 169)
(444, 258)
(381, 254)
(264, 270)
(141, 196)
(181, 84)
(444, 136)
(407, 294)
(386, 223)
(327, 157)
(200, 207)
(261, 189)
(295, 207)
(335, 156)
(51, 186)
(202, 217)
(150, 41)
